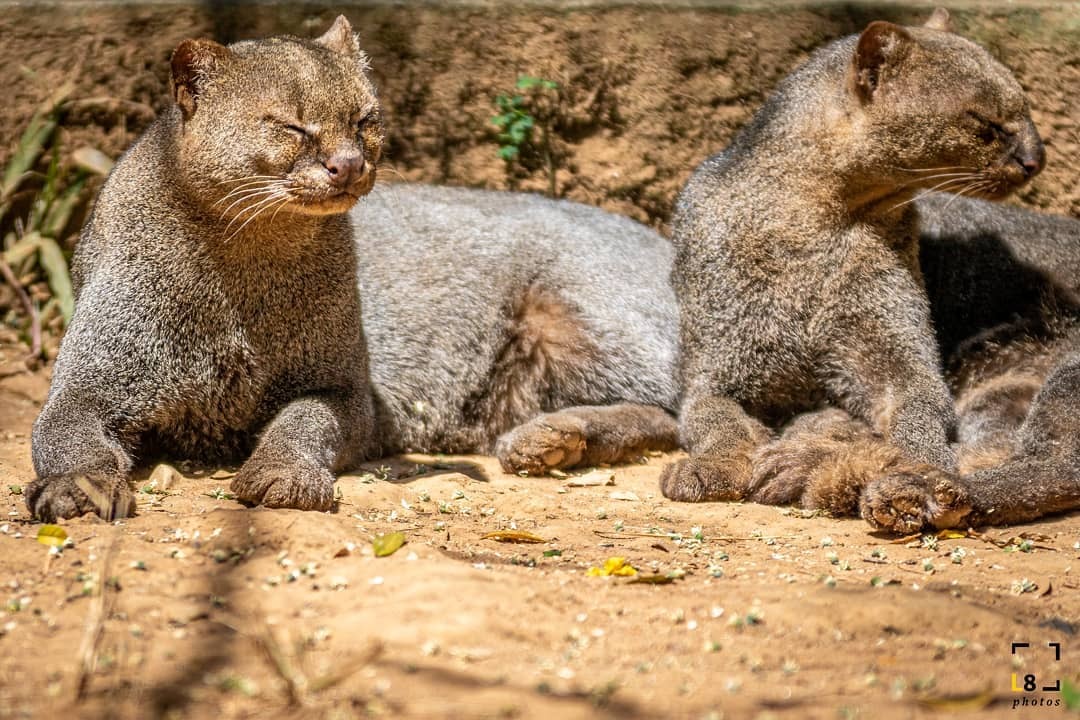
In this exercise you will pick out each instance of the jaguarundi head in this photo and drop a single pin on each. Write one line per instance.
(942, 110)
(283, 125)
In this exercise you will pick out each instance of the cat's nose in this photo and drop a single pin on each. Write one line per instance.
(1030, 154)
(344, 168)
(1032, 161)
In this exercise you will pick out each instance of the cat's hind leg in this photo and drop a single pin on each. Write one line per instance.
(586, 435)
(1044, 476)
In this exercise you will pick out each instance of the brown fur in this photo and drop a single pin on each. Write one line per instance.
(217, 313)
(1012, 466)
(546, 339)
(828, 461)
(797, 267)
(1002, 281)
(587, 436)
(548, 343)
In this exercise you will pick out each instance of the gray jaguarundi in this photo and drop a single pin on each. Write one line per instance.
(218, 313)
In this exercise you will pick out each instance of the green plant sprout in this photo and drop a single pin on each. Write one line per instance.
(531, 107)
(35, 239)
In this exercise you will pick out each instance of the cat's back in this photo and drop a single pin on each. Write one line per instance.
(987, 265)
(450, 278)
(497, 225)
(1042, 241)
(485, 245)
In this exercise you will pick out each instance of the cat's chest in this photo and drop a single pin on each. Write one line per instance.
(862, 252)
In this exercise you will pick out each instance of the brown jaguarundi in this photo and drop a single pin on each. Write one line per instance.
(1003, 286)
(218, 314)
(798, 281)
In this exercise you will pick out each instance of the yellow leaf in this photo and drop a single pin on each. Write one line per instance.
(388, 544)
(951, 535)
(513, 536)
(53, 535)
(613, 566)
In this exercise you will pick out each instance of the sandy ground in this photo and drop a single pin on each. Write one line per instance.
(211, 609)
(199, 607)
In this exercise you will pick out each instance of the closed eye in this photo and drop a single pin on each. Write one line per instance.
(989, 130)
(290, 125)
(364, 118)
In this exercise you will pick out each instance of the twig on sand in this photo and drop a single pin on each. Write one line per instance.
(28, 305)
(100, 609)
(298, 686)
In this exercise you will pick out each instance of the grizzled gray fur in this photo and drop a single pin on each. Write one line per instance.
(218, 314)
(484, 309)
(1002, 285)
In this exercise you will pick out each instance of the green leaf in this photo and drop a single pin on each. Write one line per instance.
(525, 82)
(56, 269)
(509, 104)
(52, 535)
(1070, 695)
(44, 199)
(552, 553)
(517, 134)
(32, 142)
(15, 489)
(508, 152)
(388, 544)
(59, 212)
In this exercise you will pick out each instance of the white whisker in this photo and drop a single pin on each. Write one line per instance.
(938, 177)
(250, 195)
(288, 199)
(936, 169)
(258, 185)
(261, 210)
(256, 206)
(973, 187)
(924, 193)
(249, 177)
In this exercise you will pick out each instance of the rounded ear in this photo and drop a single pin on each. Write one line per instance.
(194, 63)
(881, 47)
(340, 38)
(939, 20)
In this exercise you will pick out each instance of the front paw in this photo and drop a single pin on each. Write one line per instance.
(908, 501)
(782, 470)
(68, 496)
(706, 478)
(539, 446)
(282, 484)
